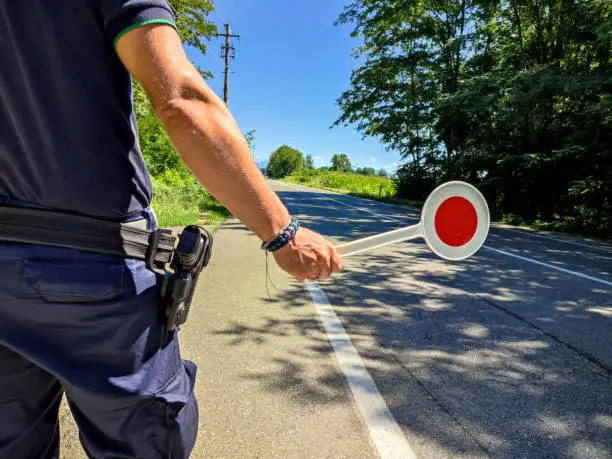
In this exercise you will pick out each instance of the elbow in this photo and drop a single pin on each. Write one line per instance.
(189, 98)
(174, 112)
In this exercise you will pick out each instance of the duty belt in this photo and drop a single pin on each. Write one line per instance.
(35, 226)
(186, 260)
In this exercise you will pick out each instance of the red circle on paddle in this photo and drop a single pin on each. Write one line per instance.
(456, 221)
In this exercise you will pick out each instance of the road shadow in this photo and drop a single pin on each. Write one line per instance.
(575, 311)
(481, 343)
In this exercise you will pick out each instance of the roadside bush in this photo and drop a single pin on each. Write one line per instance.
(284, 161)
(180, 200)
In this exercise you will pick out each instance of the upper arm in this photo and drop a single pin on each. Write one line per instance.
(122, 16)
(153, 54)
(146, 41)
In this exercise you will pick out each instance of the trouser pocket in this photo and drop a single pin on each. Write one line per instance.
(74, 282)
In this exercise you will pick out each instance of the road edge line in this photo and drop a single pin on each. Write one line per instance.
(384, 430)
(549, 266)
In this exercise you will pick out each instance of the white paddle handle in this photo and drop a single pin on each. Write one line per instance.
(379, 240)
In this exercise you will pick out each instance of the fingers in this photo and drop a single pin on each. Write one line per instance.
(336, 261)
(309, 257)
(318, 269)
(325, 268)
(311, 277)
(329, 262)
(311, 272)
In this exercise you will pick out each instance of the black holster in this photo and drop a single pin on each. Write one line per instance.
(191, 255)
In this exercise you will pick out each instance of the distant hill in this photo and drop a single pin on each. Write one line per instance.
(262, 164)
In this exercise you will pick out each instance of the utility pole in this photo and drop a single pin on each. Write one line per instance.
(227, 51)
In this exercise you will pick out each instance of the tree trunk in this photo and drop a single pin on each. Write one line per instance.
(519, 28)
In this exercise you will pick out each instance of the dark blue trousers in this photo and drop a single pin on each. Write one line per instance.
(89, 326)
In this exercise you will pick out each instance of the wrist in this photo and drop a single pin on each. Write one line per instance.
(283, 238)
(274, 226)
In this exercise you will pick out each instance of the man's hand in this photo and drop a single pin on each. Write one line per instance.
(210, 143)
(309, 256)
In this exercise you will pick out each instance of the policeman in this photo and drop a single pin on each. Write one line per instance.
(83, 323)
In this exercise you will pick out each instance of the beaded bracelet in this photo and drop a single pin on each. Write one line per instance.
(283, 238)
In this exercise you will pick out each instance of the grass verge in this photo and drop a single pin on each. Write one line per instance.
(366, 185)
(362, 186)
(568, 227)
(184, 202)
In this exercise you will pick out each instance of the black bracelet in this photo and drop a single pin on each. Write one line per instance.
(282, 238)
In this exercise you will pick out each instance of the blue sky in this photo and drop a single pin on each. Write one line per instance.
(291, 65)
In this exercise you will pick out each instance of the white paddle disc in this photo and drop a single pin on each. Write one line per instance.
(454, 223)
(455, 220)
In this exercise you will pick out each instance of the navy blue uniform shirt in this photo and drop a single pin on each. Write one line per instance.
(68, 135)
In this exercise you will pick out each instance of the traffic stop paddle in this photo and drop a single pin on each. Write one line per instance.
(454, 223)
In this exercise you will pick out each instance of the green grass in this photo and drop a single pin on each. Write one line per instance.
(567, 226)
(362, 185)
(182, 201)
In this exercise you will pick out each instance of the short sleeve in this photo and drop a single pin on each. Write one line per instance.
(121, 16)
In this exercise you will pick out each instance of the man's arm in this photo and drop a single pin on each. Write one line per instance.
(201, 127)
(210, 143)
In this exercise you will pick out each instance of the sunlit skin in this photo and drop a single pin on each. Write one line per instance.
(211, 144)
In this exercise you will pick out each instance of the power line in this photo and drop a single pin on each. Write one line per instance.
(222, 19)
(227, 51)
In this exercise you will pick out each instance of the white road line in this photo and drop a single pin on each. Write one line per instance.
(603, 311)
(386, 217)
(542, 236)
(386, 434)
(541, 263)
(503, 252)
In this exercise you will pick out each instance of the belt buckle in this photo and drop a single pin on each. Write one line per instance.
(141, 224)
(152, 251)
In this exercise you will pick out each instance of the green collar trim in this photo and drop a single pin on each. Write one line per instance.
(140, 24)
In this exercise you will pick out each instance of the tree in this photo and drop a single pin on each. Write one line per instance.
(250, 139)
(382, 173)
(309, 162)
(193, 25)
(513, 96)
(341, 163)
(284, 161)
(365, 171)
(413, 52)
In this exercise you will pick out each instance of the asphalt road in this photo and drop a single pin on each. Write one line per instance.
(496, 355)
(505, 355)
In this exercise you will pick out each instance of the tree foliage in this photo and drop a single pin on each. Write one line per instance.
(250, 139)
(284, 161)
(365, 171)
(514, 96)
(192, 22)
(309, 162)
(341, 163)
